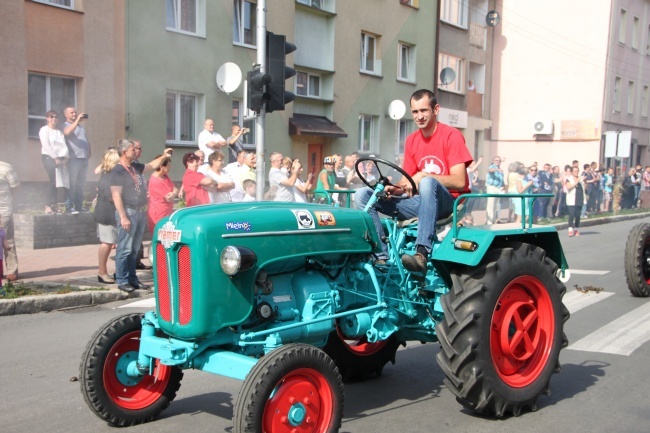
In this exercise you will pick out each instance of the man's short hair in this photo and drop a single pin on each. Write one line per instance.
(248, 183)
(419, 94)
(123, 145)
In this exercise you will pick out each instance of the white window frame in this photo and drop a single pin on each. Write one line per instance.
(622, 27)
(616, 104)
(370, 42)
(177, 139)
(199, 18)
(318, 4)
(458, 65)
(645, 96)
(368, 124)
(636, 28)
(56, 3)
(406, 51)
(630, 97)
(404, 128)
(239, 23)
(238, 119)
(312, 91)
(40, 117)
(455, 12)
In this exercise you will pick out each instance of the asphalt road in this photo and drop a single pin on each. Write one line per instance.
(602, 386)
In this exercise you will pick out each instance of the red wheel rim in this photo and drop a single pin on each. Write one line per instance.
(144, 391)
(302, 401)
(360, 346)
(522, 331)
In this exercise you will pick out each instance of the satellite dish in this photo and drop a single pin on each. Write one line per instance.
(396, 109)
(228, 77)
(447, 76)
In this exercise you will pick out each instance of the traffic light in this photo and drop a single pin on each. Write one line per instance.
(257, 93)
(277, 49)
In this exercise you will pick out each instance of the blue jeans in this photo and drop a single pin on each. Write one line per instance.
(128, 243)
(434, 201)
(77, 169)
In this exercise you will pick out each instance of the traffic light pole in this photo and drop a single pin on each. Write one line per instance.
(260, 120)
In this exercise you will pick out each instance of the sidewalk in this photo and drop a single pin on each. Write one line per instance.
(77, 266)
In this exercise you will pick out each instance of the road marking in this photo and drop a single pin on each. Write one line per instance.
(144, 303)
(586, 272)
(576, 300)
(620, 337)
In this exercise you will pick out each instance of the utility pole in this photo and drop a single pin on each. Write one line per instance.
(260, 120)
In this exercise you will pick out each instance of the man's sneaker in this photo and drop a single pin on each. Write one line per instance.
(415, 263)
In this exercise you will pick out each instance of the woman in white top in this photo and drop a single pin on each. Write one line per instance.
(224, 182)
(54, 154)
(301, 188)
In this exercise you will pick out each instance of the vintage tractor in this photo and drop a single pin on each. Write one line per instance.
(288, 298)
(637, 260)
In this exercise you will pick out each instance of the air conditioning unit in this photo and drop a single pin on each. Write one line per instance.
(543, 127)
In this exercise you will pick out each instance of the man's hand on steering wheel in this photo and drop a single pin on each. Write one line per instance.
(405, 185)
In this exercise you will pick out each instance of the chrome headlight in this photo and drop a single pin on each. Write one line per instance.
(237, 259)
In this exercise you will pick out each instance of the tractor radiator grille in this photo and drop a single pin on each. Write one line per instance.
(162, 292)
(181, 297)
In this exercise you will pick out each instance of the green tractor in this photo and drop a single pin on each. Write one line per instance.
(288, 298)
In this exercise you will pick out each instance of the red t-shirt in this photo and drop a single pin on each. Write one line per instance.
(159, 208)
(437, 154)
(195, 194)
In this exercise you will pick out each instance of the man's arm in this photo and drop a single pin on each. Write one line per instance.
(291, 180)
(116, 193)
(455, 180)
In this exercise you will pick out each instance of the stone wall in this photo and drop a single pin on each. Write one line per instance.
(51, 231)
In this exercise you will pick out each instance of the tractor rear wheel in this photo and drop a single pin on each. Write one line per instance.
(356, 358)
(294, 388)
(637, 260)
(503, 330)
(110, 393)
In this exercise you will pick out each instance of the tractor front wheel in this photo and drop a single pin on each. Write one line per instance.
(503, 330)
(637, 260)
(114, 396)
(294, 388)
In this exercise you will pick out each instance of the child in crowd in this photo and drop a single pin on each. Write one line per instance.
(249, 186)
(4, 245)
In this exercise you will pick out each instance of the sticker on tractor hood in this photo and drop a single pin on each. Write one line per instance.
(168, 235)
(325, 218)
(244, 225)
(304, 219)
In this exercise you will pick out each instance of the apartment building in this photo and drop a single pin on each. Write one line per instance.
(561, 82)
(57, 53)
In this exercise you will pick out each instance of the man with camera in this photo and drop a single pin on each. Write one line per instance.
(235, 142)
(79, 150)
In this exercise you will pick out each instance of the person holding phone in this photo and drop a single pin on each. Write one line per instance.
(80, 153)
(235, 142)
(575, 198)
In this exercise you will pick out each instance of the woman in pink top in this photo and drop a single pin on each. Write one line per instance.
(162, 193)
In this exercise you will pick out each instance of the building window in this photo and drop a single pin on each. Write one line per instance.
(404, 128)
(455, 12)
(186, 16)
(48, 92)
(238, 119)
(181, 111)
(367, 133)
(630, 97)
(644, 101)
(636, 27)
(67, 4)
(245, 23)
(370, 62)
(458, 65)
(308, 84)
(622, 27)
(406, 62)
(617, 95)
(318, 4)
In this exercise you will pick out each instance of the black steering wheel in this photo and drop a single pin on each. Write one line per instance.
(383, 179)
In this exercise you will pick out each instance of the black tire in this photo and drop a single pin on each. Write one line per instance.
(295, 383)
(637, 256)
(357, 359)
(492, 366)
(103, 386)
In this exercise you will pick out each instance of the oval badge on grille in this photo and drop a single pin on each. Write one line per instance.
(168, 235)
